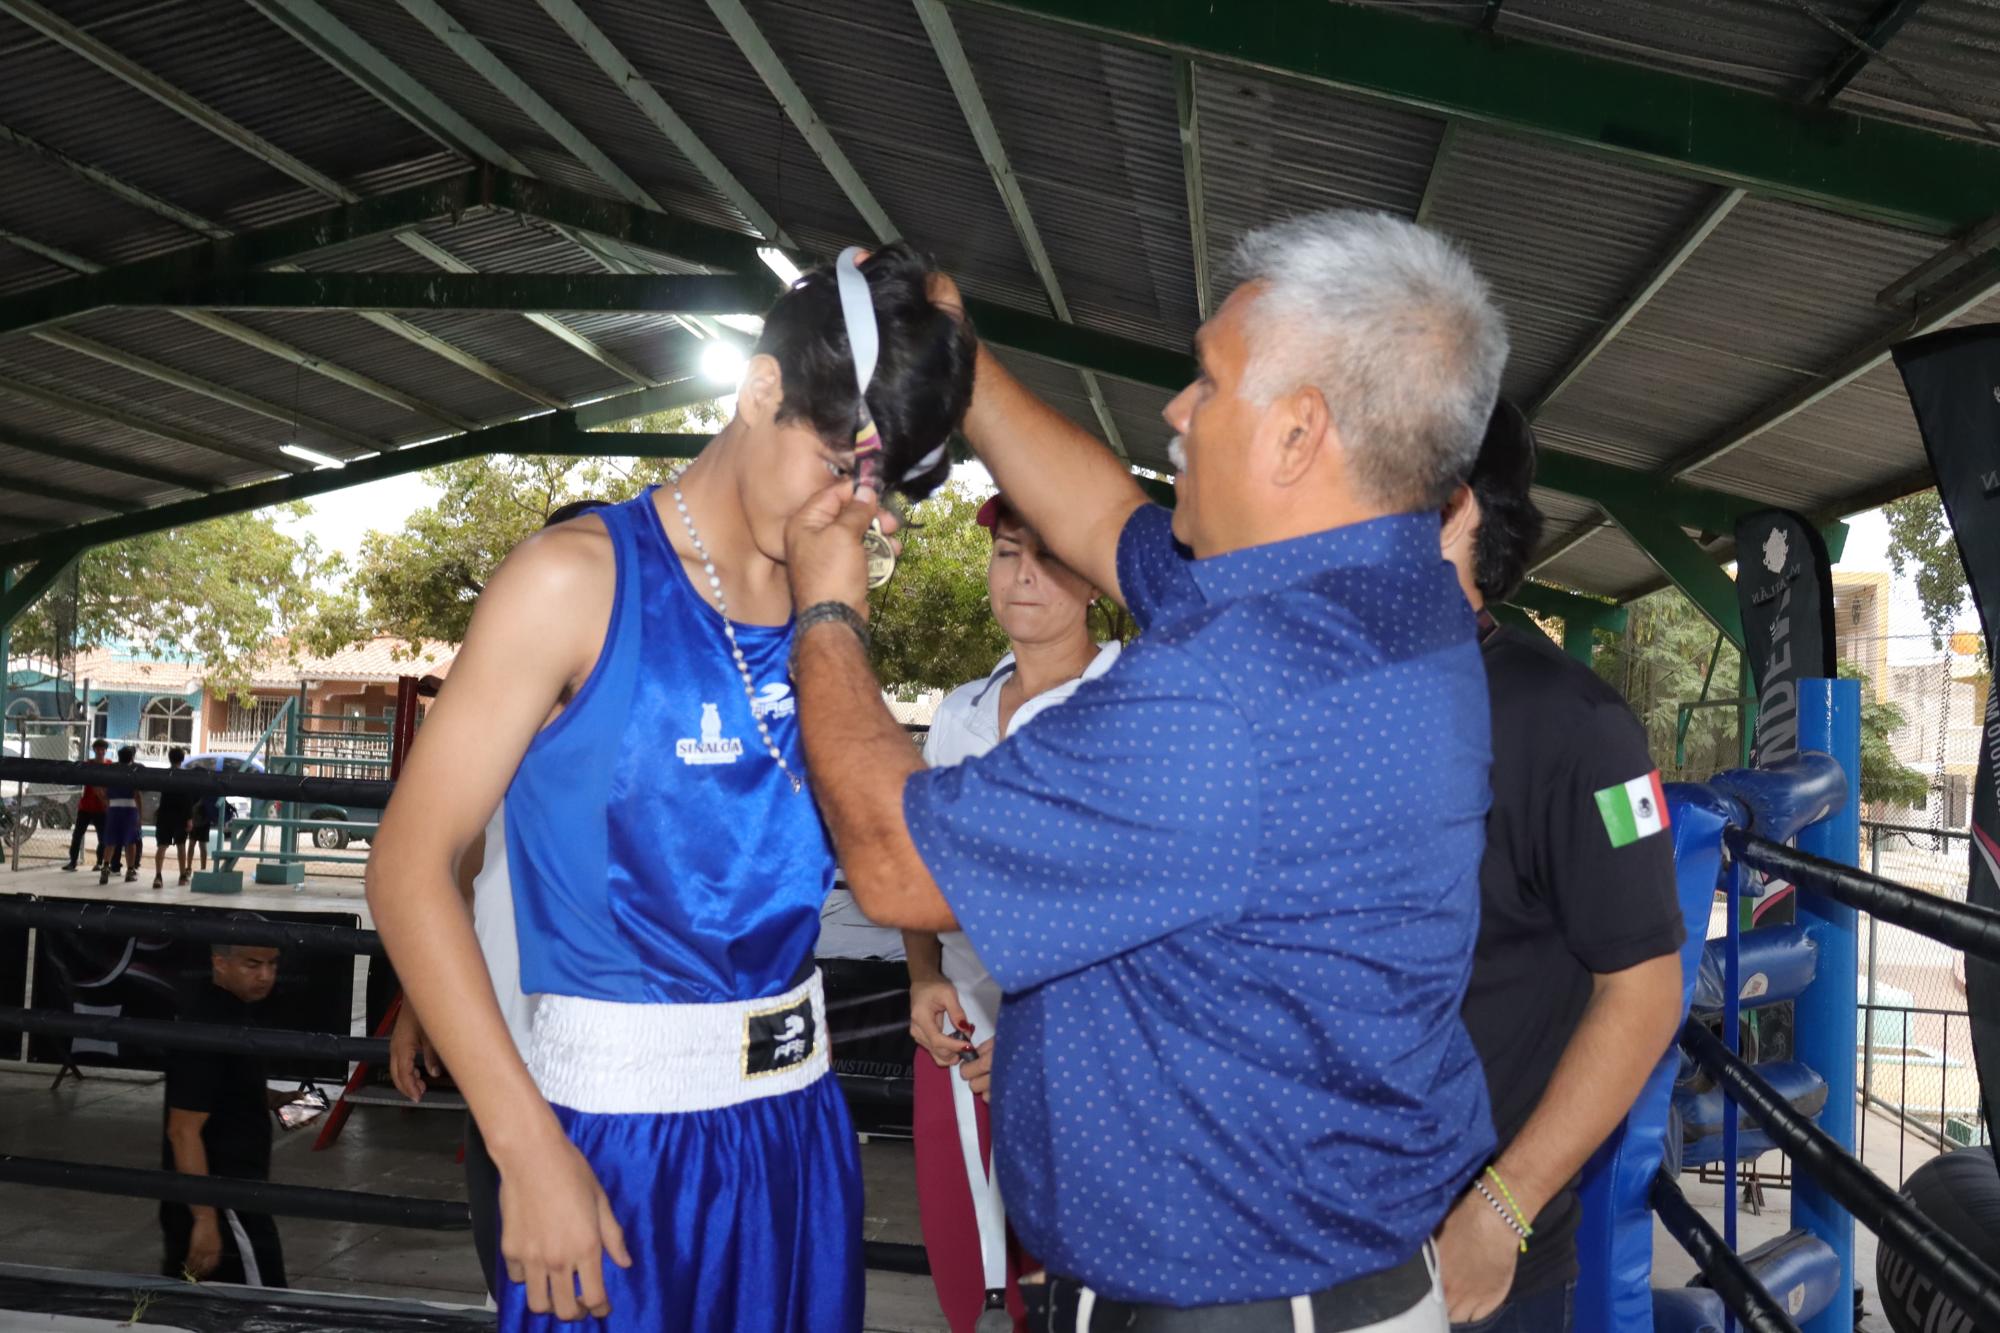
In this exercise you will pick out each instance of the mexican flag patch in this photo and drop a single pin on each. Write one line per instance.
(1633, 810)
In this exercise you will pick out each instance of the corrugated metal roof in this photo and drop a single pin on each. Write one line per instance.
(530, 43)
(1771, 45)
(1272, 150)
(1607, 562)
(1559, 236)
(166, 338)
(85, 378)
(1953, 46)
(683, 51)
(1103, 179)
(1777, 296)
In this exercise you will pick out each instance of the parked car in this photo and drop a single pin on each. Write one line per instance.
(239, 806)
(334, 839)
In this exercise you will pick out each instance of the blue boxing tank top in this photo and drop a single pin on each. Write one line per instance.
(658, 853)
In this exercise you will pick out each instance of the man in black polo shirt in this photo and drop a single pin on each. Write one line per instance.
(218, 1123)
(1576, 978)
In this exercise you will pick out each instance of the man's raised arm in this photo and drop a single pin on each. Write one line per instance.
(1058, 476)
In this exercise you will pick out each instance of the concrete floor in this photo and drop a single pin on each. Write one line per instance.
(115, 1120)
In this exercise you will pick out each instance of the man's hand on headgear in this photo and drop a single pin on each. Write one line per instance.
(942, 288)
(823, 554)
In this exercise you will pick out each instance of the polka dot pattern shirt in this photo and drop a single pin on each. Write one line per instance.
(1230, 890)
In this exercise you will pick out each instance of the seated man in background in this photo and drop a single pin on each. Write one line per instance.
(1576, 978)
(1044, 607)
(218, 1123)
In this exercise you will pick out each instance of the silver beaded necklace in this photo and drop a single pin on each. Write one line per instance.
(735, 650)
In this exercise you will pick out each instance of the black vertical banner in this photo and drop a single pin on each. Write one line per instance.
(1784, 587)
(1953, 380)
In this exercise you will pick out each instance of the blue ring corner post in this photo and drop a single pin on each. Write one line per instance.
(1830, 721)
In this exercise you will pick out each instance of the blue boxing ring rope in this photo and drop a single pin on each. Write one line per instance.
(1729, 834)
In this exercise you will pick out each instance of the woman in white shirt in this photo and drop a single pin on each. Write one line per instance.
(1043, 606)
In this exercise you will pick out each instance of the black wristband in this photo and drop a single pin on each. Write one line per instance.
(820, 613)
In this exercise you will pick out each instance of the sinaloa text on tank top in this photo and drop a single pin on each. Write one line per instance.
(774, 700)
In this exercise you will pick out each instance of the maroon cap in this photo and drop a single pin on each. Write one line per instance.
(995, 509)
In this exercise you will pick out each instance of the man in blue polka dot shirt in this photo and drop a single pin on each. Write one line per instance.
(1231, 888)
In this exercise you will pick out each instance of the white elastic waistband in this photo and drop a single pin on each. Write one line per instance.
(606, 1058)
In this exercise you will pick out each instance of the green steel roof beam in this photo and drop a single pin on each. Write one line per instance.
(628, 406)
(626, 78)
(1188, 112)
(750, 40)
(340, 46)
(20, 485)
(1427, 202)
(1975, 288)
(553, 433)
(65, 452)
(972, 106)
(614, 219)
(1887, 20)
(111, 184)
(55, 254)
(344, 49)
(235, 134)
(1568, 542)
(373, 216)
(263, 342)
(119, 417)
(1662, 273)
(1859, 166)
(165, 374)
(101, 55)
(511, 293)
(1571, 607)
(451, 263)
(52, 562)
(481, 60)
(439, 347)
(1691, 569)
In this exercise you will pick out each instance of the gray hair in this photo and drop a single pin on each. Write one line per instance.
(1391, 324)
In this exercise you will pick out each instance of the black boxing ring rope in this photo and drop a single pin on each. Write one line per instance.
(256, 1196)
(259, 1196)
(1728, 1276)
(1953, 1268)
(201, 781)
(1965, 926)
(163, 1302)
(210, 928)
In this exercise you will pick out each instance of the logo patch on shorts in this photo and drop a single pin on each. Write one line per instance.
(775, 1040)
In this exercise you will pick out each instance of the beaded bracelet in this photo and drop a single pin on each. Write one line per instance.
(1508, 1194)
(1505, 1215)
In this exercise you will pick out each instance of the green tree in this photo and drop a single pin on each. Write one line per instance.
(1921, 549)
(218, 592)
(1885, 779)
(1658, 664)
(931, 625)
(421, 582)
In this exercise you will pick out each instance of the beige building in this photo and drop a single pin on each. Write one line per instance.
(156, 704)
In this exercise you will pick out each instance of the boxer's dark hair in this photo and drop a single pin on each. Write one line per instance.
(923, 373)
(1510, 526)
(574, 509)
